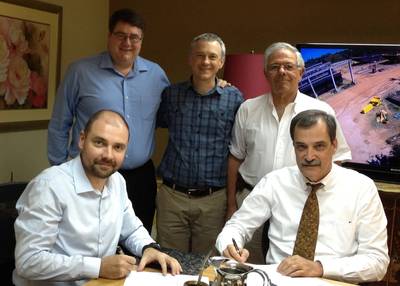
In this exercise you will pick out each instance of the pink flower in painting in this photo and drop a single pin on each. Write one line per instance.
(4, 60)
(17, 37)
(38, 90)
(17, 85)
(24, 61)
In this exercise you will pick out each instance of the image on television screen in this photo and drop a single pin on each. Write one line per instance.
(362, 84)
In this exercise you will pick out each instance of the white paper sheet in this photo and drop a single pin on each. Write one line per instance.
(254, 279)
(157, 279)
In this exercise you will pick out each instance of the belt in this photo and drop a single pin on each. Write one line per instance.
(194, 192)
(242, 184)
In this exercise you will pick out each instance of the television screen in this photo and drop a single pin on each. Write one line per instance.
(362, 84)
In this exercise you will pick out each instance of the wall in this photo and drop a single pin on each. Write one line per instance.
(253, 25)
(84, 32)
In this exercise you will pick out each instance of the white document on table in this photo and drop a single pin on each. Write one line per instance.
(144, 278)
(254, 279)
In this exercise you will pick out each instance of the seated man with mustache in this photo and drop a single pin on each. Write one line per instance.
(71, 217)
(341, 235)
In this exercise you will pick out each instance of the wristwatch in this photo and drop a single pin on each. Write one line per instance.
(154, 245)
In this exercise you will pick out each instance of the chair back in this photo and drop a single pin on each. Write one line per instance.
(9, 194)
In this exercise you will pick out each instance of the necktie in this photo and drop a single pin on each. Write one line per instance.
(307, 232)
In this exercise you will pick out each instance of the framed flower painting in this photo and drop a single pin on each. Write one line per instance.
(30, 44)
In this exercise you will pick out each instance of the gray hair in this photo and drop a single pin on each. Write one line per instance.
(282, 46)
(210, 37)
(309, 118)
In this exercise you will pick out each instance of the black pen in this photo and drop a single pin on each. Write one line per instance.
(119, 250)
(236, 247)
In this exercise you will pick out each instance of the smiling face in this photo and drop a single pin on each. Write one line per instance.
(205, 60)
(282, 73)
(314, 150)
(103, 148)
(122, 49)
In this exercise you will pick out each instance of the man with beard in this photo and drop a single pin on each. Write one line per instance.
(340, 235)
(71, 217)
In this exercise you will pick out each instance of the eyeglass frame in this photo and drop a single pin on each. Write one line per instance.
(133, 38)
(289, 67)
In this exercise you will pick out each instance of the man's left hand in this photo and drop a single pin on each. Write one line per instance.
(223, 83)
(295, 266)
(151, 255)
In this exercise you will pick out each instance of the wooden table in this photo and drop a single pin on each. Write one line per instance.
(209, 272)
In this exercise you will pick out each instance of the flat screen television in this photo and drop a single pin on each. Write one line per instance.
(362, 84)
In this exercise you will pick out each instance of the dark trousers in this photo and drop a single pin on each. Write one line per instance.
(142, 189)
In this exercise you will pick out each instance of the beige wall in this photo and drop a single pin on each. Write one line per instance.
(84, 32)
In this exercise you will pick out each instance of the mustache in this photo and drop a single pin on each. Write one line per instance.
(105, 161)
(311, 163)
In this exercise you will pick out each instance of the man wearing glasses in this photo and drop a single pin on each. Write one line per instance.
(260, 138)
(119, 80)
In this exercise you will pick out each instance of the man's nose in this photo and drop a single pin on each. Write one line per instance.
(310, 154)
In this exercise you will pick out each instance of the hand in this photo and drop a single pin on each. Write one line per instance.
(223, 83)
(151, 254)
(230, 252)
(230, 210)
(116, 266)
(295, 266)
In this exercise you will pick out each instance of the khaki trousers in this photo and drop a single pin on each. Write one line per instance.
(189, 224)
(254, 246)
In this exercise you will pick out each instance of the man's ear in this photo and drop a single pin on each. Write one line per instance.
(335, 144)
(82, 137)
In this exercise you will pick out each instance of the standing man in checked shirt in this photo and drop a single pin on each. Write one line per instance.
(199, 116)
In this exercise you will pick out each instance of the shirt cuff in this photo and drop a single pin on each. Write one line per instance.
(331, 268)
(91, 267)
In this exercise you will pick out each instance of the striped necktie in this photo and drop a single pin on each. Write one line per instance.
(307, 233)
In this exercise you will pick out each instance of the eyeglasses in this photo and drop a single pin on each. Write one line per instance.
(133, 38)
(287, 67)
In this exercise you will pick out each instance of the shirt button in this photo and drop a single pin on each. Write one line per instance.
(128, 116)
(100, 241)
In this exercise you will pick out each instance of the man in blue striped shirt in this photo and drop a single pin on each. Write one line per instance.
(199, 116)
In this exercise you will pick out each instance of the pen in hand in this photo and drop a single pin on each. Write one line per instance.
(119, 250)
(236, 247)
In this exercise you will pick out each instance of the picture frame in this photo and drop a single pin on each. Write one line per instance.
(30, 53)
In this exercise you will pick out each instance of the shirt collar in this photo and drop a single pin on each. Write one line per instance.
(215, 90)
(138, 66)
(81, 181)
(326, 181)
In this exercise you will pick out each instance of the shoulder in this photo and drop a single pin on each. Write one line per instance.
(252, 104)
(350, 175)
(307, 102)
(149, 65)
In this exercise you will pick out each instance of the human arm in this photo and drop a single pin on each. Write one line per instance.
(116, 266)
(253, 213)
(297, 266)
(37, 228)
(233, 170)
(154, 255)
(231, 252)
(62, 117)
(370, 258)
(162, 113)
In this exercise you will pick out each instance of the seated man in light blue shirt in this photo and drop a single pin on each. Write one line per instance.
(72, 216)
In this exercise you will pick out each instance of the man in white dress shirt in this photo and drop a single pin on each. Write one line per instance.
(352, 238)
(260, 136)
(72, 216)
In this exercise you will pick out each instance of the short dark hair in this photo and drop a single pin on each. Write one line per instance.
(127, 16)
(309, 118)
(97, 114)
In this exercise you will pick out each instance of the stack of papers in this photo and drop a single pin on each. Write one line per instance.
(154, 278)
